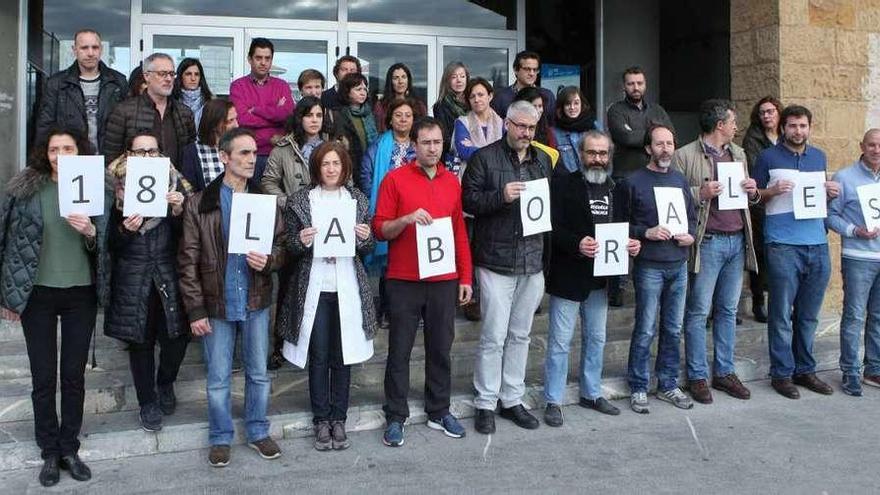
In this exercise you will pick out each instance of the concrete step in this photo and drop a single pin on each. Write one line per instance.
(115, 432)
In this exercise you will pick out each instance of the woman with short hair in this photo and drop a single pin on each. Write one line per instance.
(573, 119)
(354, 122)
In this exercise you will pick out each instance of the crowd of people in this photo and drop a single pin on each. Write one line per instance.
(163, 280)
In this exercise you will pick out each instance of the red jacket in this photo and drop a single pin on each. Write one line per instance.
(407, 189)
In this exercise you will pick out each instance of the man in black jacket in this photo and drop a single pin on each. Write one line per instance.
(82, 96)
(579, 201)
(509, 264)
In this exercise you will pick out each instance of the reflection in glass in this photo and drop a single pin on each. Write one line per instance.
(295, 56)
(488, 63)
(215, 53)
(485, 14)
(376, 58)
(318, 10)
(111, 18)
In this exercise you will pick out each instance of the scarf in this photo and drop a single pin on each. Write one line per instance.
(494, 128)
(194, 100)
(364, 114)
(581, 123)
(457, 107)
(176, 182)
(376, 261)
(209, 158)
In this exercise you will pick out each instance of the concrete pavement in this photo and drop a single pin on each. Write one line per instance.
(769, 444)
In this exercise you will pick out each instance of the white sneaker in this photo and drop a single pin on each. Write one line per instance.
(638, 402)
(676, 397)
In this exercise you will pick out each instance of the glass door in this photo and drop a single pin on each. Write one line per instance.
(379, 51)
(296, 51)
(489, 59)
(219, 49)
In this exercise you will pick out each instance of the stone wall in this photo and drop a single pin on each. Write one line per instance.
(10, 100)
(824, 54)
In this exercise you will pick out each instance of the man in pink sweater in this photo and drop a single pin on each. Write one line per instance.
(263, 102)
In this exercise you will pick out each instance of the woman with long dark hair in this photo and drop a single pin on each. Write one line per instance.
(398, 85)
(354, 122)
(52, 268)
(201, 160)
(573, 119)
(191, 87)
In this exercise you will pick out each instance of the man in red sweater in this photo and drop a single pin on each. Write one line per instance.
(417, 193)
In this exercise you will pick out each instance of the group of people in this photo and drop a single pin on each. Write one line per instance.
(163, 280)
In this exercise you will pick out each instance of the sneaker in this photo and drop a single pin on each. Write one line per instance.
(323, 437)
(812, 382)
(732, 385)
(393, 436)
(449, 425)
(553, 415)
(700, 391)
(484, 421)
(520, 417)
(852, 385)
(337, 432)
(167, 399)
(267, 448)
(600, 404)
(151, 417)
(638, 402)
(218, 456)
(676, 397)
(872, 380)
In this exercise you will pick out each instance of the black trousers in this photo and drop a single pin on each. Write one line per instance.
(77, 307)
(433, 302)
(329, 377)
(142, 356)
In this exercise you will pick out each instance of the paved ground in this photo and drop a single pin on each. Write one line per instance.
(766, 445)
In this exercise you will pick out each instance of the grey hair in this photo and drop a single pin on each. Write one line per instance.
(148, 62)
(597, 134)
(524, 109)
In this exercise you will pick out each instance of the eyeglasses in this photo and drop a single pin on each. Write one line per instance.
(152, 152)
(594, 153)
(164, 73)
(523, 127)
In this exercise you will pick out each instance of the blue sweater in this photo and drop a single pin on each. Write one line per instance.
(637, 197)
(845, 213)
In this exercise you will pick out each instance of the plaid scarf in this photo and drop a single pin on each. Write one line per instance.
(209, 157)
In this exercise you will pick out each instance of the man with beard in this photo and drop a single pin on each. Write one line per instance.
(167, 118)
(579, 201)
(798, 264)
(660, 274)
(722, 249)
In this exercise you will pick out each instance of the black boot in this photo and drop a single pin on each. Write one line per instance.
(78, 469)
(50, 475)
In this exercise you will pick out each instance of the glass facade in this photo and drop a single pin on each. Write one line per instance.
(499, 14)
(489, 63)
(111, 18)
(322, 10)
(215, 54)
(376, 58)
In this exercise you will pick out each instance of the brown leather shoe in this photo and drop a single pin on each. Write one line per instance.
(700, 391)
(732, 386)
(472, 311)
(785, 388)
(812, 382)
(218, 456)
(872, 380)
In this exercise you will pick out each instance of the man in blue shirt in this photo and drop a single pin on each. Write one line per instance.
(226, 293)
(798, 265)
(860, 266)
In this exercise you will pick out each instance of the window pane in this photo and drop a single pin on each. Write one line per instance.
(111, 18)
(215, 54)
(294, 56)
(486, 14)
(376, 58)
(488, 63)
(323, 10)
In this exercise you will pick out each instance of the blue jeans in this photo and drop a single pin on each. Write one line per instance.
(720, 281)
(797, 278)
(660, 293)
(563, 318)
(861, 295)
(218, 362)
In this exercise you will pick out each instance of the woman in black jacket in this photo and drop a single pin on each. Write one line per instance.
(145, 304)
(52, 268)
(354, 122)
(451, 102)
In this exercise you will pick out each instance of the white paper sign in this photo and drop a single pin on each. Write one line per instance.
(612, 258)
(733, 196)
(783, 202)
(252, 223)
(869, 197)
(335, 220)
(809, 196)
(146, 184)
(671, 211)
(81, 185)
(534, 207)
(436, 245)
